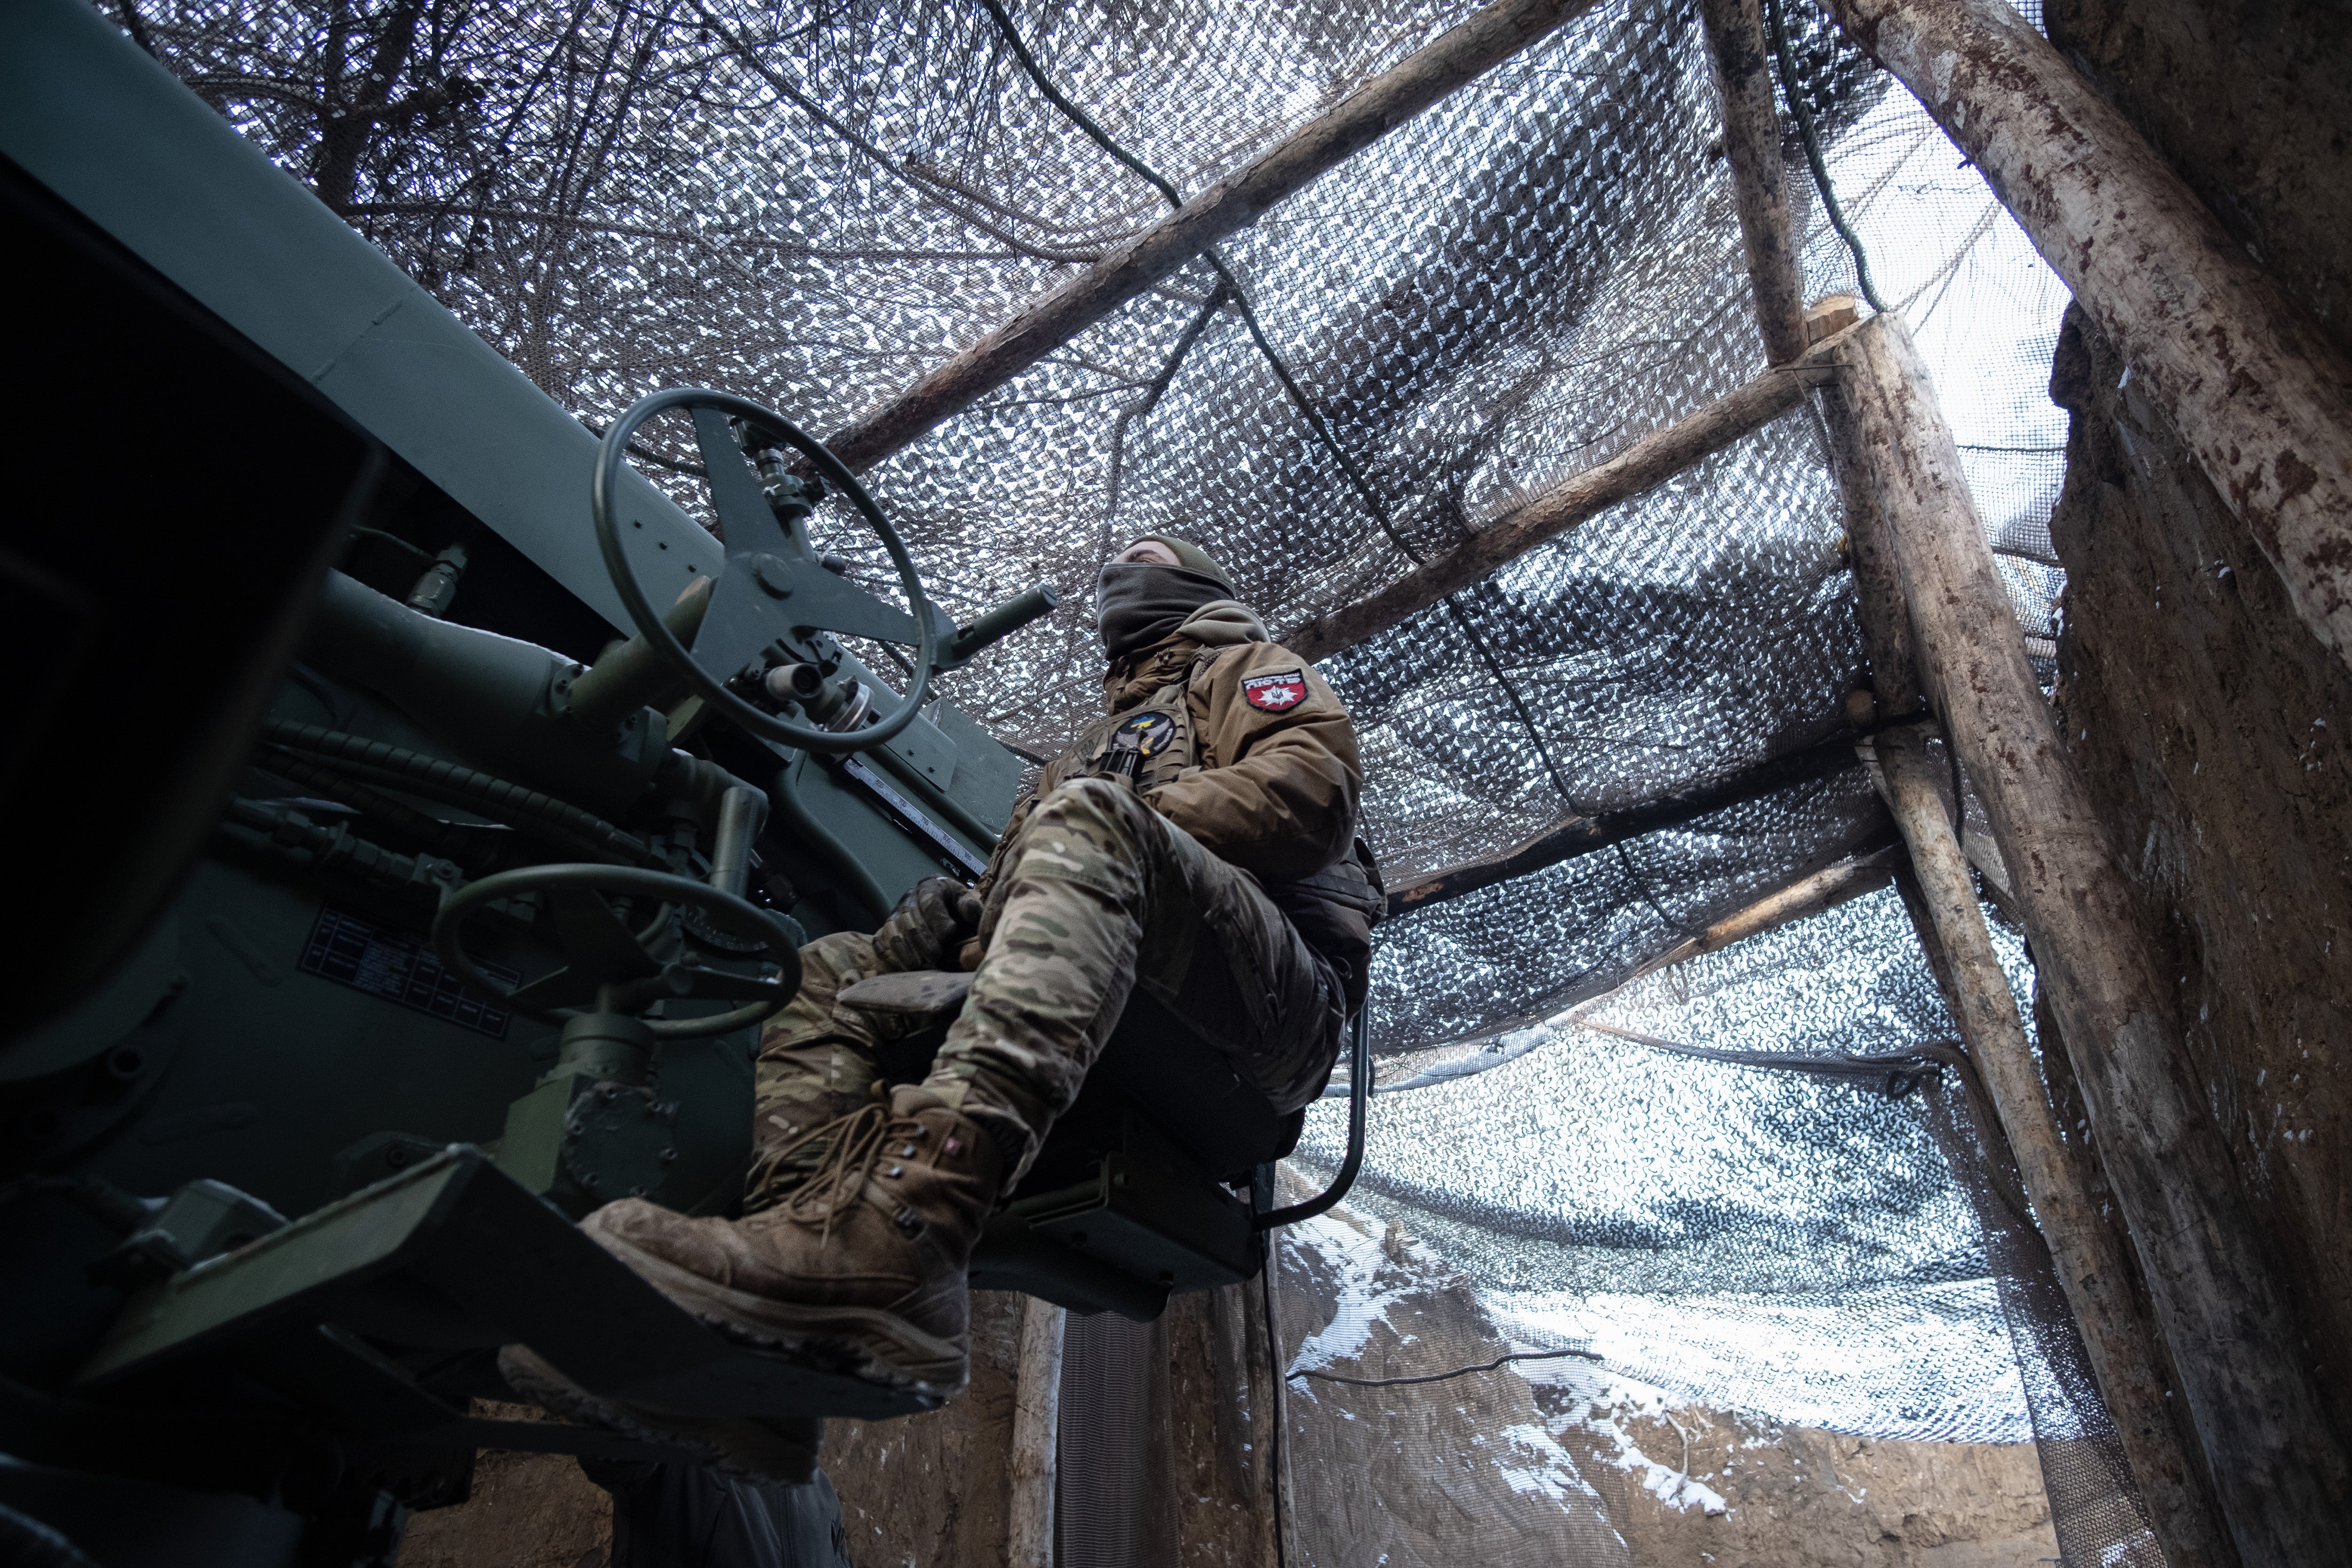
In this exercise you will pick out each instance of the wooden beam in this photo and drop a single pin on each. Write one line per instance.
(1647, 464)
(1886, 626)
(1759, 186)
(2279, 1468)
(2261, 398)
(2119, 1339)
(1807, 896)
(1036, 1437)
(1481, 42)
(1575, 836)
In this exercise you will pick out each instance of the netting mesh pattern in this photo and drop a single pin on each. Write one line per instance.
(810, 203)
(1765, 1241)
(813, 203)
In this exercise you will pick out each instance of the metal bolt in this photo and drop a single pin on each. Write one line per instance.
(667, 1156)
(773, 573)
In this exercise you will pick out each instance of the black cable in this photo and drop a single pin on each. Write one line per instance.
(1457, 1372)
(1297, 395)
(528, 809)
(361, 532)
(549, 835)
(1812, 142)
(1052, 95)
(454, 841)
(1269, 1261)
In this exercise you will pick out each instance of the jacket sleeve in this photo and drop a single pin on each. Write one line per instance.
(1278, 789)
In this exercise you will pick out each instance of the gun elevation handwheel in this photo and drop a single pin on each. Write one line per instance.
(773, 586)
(610, 968)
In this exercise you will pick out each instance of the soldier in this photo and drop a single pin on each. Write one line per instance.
(1163, 849)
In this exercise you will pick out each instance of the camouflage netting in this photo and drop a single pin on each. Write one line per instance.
(813, 203)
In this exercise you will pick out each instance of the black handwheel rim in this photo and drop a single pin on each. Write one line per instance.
(456, 909)
(612, 454)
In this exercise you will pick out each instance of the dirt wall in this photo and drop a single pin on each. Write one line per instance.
(2209, 724)
(2252, 101)
(929, 1492)
(1544, 1462)
(1799, 1494)
(526, 1510)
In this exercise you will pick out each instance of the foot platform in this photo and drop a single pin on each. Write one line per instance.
(354, 1314)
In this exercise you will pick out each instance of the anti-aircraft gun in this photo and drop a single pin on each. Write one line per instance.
(415, 813)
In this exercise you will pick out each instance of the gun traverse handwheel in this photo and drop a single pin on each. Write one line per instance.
(608, 967)
(773, 586)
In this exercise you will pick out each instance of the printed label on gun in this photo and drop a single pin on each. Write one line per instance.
(402, 968)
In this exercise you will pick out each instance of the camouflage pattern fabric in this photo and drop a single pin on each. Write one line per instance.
(818, 1062)
(1099, 893)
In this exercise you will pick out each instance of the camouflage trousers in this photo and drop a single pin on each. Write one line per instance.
(1098, 894)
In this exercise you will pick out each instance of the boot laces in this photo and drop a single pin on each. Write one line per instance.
(859, 1141)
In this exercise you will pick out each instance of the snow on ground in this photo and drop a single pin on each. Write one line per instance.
(1921, 1362)
(1365, 1282)
(1936, 1365)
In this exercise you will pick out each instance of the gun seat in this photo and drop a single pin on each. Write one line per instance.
(1128, 1201)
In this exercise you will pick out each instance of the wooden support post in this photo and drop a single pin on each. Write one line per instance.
(1465, 52)
(1759, 186)
(2089, 1268)
(1807, 896)
(1886, 626)
(1574, 836)
(1647, 464)
(2259, 396)
(1036, 1437)
(2279, 1468)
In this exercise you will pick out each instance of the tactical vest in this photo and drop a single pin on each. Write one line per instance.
(1155, 742)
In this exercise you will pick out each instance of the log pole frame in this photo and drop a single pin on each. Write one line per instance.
(1461, 55)
(1036, 1437)
(2083, 1250)
(2279, 1470)
(1759, 186)
(1642, 466)
(2262, 399)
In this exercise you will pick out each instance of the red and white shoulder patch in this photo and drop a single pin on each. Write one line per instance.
(1275, 693)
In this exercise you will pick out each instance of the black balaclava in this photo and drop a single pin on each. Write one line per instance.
(1141, 601)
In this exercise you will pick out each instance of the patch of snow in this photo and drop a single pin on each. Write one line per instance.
(1550, 1472)
(1671, 1486)
(1365, 1284)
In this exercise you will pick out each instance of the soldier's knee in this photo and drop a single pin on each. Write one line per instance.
(838, 953)
(1092, 802)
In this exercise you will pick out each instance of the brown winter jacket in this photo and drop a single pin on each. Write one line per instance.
(1278, 778)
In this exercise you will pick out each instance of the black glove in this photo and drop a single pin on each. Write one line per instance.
(929, 925)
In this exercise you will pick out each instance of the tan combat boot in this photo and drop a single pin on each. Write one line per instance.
(802, 1096)
(860, 1269)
